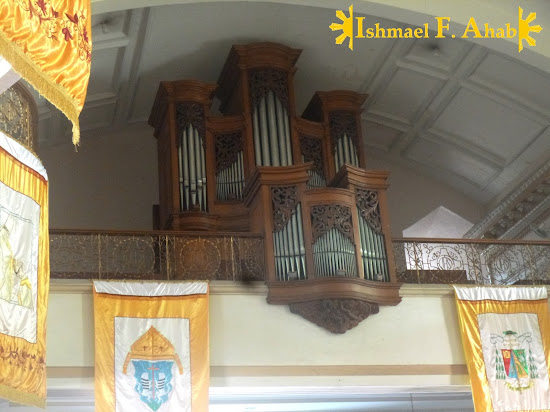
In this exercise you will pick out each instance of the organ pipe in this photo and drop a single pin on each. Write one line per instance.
(271, 128)
(345, 152)
(334, 255)
(192, 171)
(289, 249)
(373, 252)
(230, 181)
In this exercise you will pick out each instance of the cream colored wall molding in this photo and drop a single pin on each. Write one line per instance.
(220, 287)
(73, 372)
(78, 286)
(351, 392)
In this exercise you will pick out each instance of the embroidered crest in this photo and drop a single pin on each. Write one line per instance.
(153, 357)
(514, 360)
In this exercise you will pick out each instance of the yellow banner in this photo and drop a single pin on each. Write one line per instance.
(151, 346)
(24, 274)
(48, 42)
(506, 338)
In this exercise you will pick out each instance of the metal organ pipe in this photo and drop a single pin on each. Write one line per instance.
(264, 139)
(373, 252)
(271, 127)
(230, 181)
(192, 170)
(184, 170)
(181, 181)
(273, 135)
(257, 137)
(289, 249)
(280, 141)
(345, 152)
(333, 252)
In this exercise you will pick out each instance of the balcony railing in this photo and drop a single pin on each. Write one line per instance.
(483, 262)
(76, 254)
(84, 254)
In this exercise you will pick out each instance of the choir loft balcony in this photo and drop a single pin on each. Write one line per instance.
(238, 257)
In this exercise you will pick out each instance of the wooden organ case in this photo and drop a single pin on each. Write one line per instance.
(299, 181)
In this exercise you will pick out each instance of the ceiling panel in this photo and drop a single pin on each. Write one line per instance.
(525, 81)
(99, 115)
(109, 29)
(483, 123)
(443, 156)
(380, 136)
(103, 70)
(443, 54)
(405, 94)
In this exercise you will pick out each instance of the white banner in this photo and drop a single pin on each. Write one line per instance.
(19, 229)
(142, 383)
(151, 288)
(514, 361)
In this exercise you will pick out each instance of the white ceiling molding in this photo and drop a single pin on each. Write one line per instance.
(518, 211)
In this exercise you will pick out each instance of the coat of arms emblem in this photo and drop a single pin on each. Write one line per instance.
(153, 357)
(514, 360)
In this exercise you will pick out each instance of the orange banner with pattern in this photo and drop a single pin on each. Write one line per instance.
(48, 42)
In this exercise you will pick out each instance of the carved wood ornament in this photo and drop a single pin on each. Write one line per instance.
(367, 202)
(262, 81)
(228, 147)
(312, 150)
(327, 217)
(191, 114)
(343, 123)
(284, 201)
(335, 315)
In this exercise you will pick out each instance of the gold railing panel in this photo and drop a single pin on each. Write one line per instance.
(481, 262)
(155, 255)
(18, 115)
(76, 254)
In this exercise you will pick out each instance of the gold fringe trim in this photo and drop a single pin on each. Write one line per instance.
(55, 93)
(14, 395)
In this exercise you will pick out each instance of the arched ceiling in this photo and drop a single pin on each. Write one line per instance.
(414, 12)
(475, 115)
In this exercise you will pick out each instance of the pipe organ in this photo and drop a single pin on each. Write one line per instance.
(191, 157)
(299, 180)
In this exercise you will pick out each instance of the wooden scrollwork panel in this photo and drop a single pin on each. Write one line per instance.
(312, 151)
(229, 166)
(288, 234)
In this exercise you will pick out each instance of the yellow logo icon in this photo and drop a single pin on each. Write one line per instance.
(474, 29)
(346, 26)
(524, 29)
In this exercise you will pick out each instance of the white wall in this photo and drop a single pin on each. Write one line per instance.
(412, 195)
(110, 183)
(256, 344)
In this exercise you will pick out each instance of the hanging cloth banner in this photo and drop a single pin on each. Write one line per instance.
(24, 274)
(506, 338)
(151, 346)
(49, 44)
